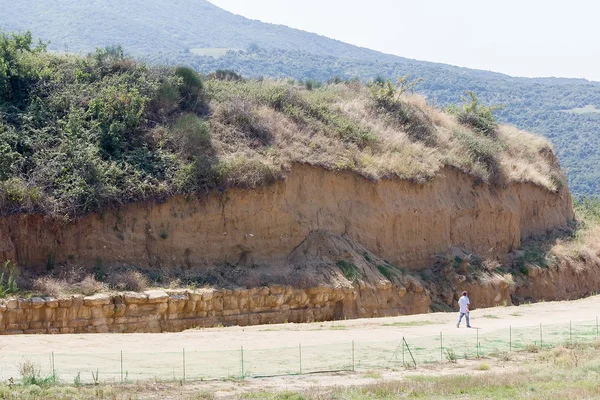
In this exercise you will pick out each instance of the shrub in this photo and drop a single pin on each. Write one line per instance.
(191, 89)
(451, 356)
(225, 75)
(387, 100)
(31, 374)
(8, 279)
(50, 286)
(130, 280)
(89, 286)
(191, 135)
(477, 116)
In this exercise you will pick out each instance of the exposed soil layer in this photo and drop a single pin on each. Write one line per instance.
(399, 221)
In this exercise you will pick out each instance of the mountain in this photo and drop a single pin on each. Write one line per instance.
(199, 34)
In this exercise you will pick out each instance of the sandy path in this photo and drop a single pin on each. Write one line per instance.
(320, 333)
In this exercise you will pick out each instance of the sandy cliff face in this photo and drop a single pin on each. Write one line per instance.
(399, 221)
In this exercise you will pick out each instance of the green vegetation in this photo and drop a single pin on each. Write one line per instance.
(199, 36)
(8, 279)
(82, 134)
(390, 271)
(475, 115)
(350, 271)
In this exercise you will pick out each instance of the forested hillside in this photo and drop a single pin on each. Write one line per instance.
(198, 34)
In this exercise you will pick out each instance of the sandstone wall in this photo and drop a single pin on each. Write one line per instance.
(171, 311)
(403, 222)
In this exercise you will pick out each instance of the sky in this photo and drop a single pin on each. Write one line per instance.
(530, 38)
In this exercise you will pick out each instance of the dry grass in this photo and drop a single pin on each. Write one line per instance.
(271, 124)
(61, 287)
(130, 281)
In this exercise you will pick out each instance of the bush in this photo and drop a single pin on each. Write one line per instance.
(8, 279)
(89, 286)
(477, 116)
(387, 100)
(191, 89)
(130, 280)
(191, 136)
(49, 286)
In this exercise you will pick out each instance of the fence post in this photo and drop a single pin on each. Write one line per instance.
(53, 370)
(121, 366)
(300, 351)
(403, 363)
(570, 333)
(184, 364)
(441, 348)
(242, 361)
(510, 338)
(541, 338)
(353, 367)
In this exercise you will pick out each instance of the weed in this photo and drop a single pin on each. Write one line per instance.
(532, 348)
(490, 316)
(31, 374)
(350, 271)
(95, 377)
(451, 356)
(10, 285)
(77, 380)
(482, 367)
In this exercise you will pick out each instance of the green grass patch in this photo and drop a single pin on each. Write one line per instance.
(350, 271)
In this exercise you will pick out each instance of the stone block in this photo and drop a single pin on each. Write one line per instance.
(65, 303)
(97, 300)
(134, 298)
(37, 302)
(157, 296)
(50, 302)
(12, 304)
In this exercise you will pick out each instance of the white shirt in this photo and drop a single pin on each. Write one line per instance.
(463, 302)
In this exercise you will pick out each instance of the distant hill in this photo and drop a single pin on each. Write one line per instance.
(197, 33)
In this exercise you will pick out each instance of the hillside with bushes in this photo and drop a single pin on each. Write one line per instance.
(81, 134)
(201, 35)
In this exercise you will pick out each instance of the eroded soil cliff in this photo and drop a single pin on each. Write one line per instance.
(404, 223)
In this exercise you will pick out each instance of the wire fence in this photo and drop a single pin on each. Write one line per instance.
(186, 365)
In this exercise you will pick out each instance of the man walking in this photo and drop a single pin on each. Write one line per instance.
(464, 303)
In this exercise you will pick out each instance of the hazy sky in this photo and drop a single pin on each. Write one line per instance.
(520, 38)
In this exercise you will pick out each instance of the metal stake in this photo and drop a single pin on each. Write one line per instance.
(184, 364)
(53, 370)
(121, 366)
(441, 348)
(242, 354)
(300, 351)
(353, 356)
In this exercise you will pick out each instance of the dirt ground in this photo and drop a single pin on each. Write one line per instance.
(161, 354)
